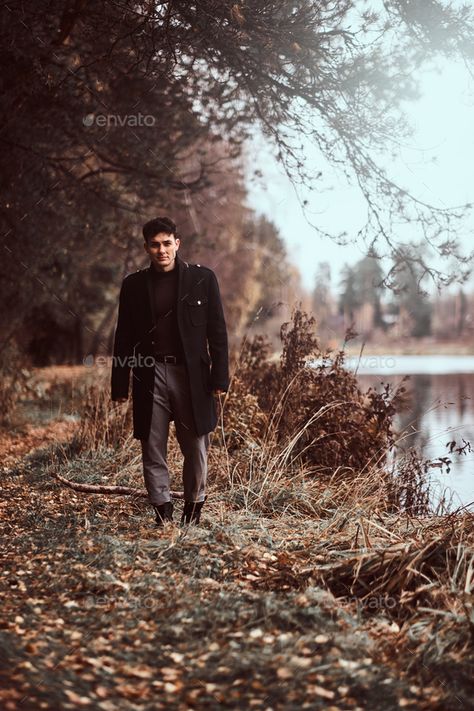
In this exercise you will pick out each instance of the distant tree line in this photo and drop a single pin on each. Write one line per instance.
(407, 310)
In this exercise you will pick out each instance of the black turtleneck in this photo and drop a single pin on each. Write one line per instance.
(165, 296)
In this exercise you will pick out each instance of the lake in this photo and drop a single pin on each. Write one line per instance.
(441, 409)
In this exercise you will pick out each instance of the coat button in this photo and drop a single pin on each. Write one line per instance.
(199, 301)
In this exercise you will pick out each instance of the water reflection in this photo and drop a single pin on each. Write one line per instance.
(440, 409)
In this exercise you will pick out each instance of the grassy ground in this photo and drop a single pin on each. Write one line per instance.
(294, 592)
(102, 610)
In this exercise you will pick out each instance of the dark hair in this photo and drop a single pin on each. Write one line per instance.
(157, 225)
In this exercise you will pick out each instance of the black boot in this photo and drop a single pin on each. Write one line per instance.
(164, 512)
(192, 512)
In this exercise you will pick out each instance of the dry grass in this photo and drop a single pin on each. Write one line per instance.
(301, 498)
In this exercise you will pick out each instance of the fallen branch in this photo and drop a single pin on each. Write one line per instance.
(105, 489)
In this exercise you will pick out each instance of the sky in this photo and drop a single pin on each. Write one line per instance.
(437, 166)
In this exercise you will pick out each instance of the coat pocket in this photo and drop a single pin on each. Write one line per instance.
(197, 309)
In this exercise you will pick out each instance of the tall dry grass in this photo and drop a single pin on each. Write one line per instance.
(301, 451)
(296, 435)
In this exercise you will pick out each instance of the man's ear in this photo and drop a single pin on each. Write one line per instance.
(178, 242)
(145, 246)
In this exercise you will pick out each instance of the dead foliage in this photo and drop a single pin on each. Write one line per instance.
(14, 383)
(302, 535)
(309, 397)
(103, 422)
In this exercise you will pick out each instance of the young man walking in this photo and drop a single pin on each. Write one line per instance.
(171, 334)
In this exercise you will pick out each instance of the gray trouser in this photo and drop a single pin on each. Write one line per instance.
(172, 400)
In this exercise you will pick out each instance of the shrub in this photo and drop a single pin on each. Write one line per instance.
(311, 402)
(14, 380)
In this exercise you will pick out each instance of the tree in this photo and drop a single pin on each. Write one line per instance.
(369, 285)
(321, 296)
(103, 103)
(362, 284)
(273, 272)
(350, 298)
(412, 300)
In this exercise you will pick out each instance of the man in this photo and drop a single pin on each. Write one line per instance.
(169, 315)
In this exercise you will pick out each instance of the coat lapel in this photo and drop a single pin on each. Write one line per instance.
(182, 268)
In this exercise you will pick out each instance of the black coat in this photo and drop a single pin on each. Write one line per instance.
(201, 323)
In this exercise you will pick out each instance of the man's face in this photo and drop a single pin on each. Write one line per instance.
(162, 250)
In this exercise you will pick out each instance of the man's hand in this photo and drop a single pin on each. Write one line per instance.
(219, 392)
(120, 400)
